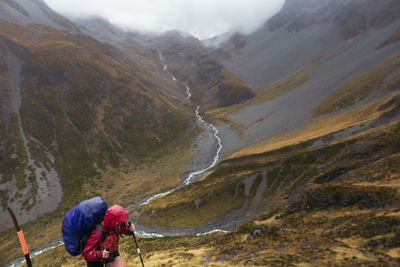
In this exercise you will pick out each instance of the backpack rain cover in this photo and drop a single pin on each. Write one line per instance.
(80, 220)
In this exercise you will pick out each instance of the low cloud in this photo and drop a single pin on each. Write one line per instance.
(201, 18)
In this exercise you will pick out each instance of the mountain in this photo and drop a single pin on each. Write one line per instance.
(81, 107)
(304, 29)
(212, 85)
(302, 56)
(32, 12)
(310, 160)
(307, 109)
(71, 108)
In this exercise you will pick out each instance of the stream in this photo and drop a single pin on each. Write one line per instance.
(186, 181)
(191, 176)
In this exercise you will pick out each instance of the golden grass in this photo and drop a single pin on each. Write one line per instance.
(394, 253)
(357, 89)
(176, 210)
(393, 83)
(343, 253)
(266, 94)
(174, 257)
(307, 65)
(317, 129)
(125, 186)
(114, 186)
(392, 39)
(301, 235)
(238, 128)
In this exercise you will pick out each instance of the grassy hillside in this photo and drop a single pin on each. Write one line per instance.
(326, 193)
(321, 196)
(335, 204)
(264, 95)
(97, 112)
(85, 102)
(275, 175)
(306, 238)
(378, 82)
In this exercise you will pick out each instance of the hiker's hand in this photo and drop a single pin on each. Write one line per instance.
(131, 227)
(106, 254)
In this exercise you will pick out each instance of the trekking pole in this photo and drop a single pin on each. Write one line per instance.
(21, 237)
(138, 249)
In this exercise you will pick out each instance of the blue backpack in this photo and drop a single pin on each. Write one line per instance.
(80, 221)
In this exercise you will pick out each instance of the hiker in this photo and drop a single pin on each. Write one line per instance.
(102, 244)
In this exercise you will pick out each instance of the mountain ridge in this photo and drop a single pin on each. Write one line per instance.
(33, 11)
(75, 118)
(307, 108)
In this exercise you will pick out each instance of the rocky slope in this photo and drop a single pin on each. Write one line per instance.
(305, 29)
(327, 79)
(311, 148)
(302, 56)
(69, 106)
(32, 11)
(302, 204)
(212, 85)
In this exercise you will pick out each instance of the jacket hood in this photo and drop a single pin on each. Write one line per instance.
(114, 215)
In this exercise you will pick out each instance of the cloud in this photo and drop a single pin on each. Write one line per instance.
(201, 18)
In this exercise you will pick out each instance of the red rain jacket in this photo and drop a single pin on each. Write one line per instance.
(114, 215)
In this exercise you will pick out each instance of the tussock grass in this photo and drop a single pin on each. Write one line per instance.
(101, 116)
(359, 89)
(285, 170)
(318, 129)
(323, 235)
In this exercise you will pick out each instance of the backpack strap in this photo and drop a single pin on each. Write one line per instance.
(101, 228)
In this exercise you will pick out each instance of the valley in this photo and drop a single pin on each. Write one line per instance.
(276, 148)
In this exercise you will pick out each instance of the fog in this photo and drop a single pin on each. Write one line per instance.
(201, 18)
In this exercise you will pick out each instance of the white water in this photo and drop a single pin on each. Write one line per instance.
(33, 254)
(188, 93)
(186, 181)
(212, 232)
(200, 119)
(216, 158)
(193, 174)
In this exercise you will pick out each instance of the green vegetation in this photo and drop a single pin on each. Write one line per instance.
(329, 195)
(331, 236)
(109, 151)
(14, 160)
(285, 170)
(105, 121)
(88, 106)
(95, 110)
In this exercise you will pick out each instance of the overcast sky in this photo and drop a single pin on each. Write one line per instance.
(201, 18)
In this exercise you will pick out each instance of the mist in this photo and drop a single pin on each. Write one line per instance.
(201, 18)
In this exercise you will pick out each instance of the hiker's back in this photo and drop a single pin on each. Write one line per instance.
(80, 221)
